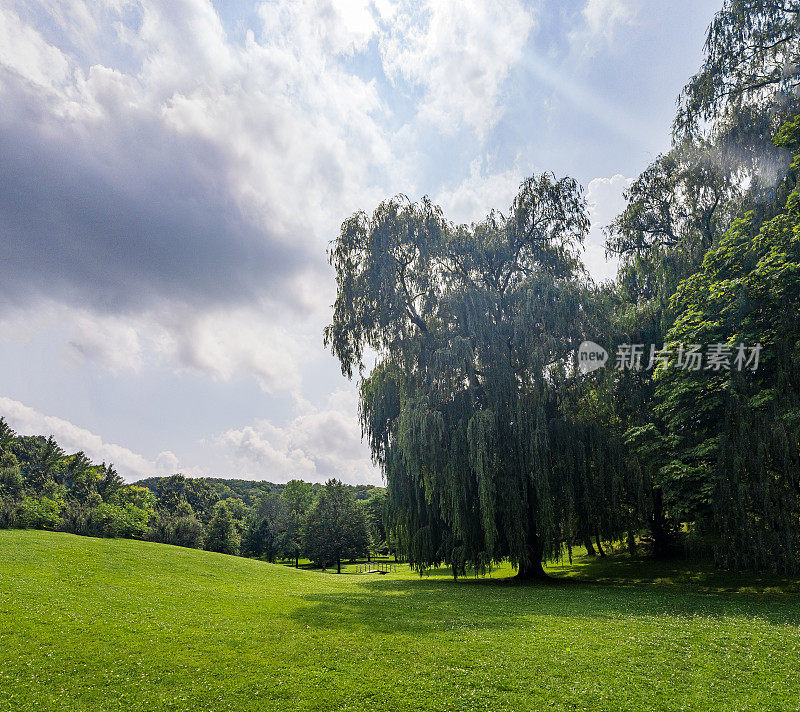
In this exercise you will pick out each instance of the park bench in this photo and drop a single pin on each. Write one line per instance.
(376, 568)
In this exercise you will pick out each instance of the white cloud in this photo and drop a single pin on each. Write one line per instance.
(24, 51)
(319, 443)
(605, 201)
(108, 340)
(603, 19)
(131, 465)
(178, 205)
(227, 344)
(459, 53)
(479, 193)
(222, 344)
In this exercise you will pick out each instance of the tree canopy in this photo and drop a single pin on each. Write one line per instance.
(474, 327)
(335, 527)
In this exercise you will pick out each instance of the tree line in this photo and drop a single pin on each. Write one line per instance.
(42, 487)
(496, 446)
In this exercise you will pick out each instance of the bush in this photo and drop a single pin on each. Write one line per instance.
(9, 514)
(185, 531)
(182, 528)
(41, 513)
(222, 535)
(77, 519)
(113, 520)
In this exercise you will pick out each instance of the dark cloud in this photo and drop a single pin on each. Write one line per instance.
(120, 214)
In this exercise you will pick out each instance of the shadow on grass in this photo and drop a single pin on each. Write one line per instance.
(611, 588)
(624, 570)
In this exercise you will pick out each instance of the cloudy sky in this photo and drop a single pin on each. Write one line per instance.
(171, 172)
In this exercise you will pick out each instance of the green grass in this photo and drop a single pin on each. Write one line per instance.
(90, 624)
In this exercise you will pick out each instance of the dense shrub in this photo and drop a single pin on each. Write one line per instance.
(222, 534)
(186, 531)
(113, 520)
(40, 513)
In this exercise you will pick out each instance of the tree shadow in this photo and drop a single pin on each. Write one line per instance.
(392, 605)
(627, 570)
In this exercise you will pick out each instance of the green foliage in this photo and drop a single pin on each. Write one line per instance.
(714, 452)
(171, 491)
(11, 480)
(267, 530)
(475, 328)
(40, 513)
(134, 494)
(335, 528)
(181, 528)
(675, 210)
(185, 529)
(734, 435)
(298, 496)
(221, 534)
(375, 510)
(114, 520)
(109, 485)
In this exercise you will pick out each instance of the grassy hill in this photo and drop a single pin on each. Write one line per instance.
(92, 624)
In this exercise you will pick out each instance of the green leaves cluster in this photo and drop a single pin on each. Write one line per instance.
(335, 528)
(473, 327)
(492, 448)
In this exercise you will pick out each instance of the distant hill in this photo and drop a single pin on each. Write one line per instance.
(247, 490)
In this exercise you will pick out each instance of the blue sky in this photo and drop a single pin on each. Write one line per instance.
(174, 169)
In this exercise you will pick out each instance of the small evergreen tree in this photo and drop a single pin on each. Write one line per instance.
(185, 529)
(222, 535)
(335, 528)
(266, 529)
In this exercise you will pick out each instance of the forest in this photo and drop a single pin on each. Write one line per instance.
(42, 487)
(496, 446)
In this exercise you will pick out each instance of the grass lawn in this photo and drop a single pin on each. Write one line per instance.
(91, 624)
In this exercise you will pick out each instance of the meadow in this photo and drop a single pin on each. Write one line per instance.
(113, 624)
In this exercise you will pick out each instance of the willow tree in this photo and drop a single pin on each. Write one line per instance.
(751, 70)
(723, 160)
(745, 90)
(721, 165)
(473, 328)
(733, 431)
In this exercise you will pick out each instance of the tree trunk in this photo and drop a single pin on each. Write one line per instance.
(599, 545)
(297, 561)
(631, 543)
(532, 570)
(587, 542)
(657, 526)
(338, 566)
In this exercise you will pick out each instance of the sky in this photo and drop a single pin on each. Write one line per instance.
(172, 172)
